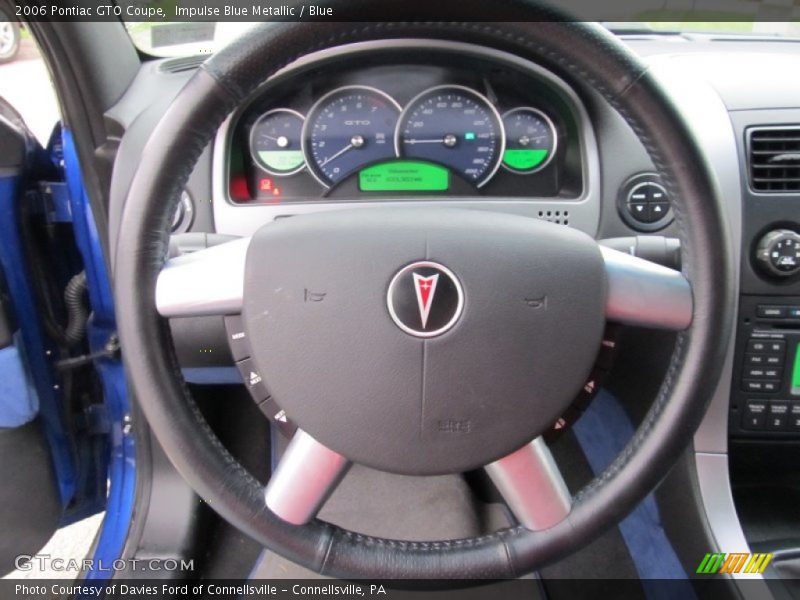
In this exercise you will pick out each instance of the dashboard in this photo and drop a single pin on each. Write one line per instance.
(407, 122)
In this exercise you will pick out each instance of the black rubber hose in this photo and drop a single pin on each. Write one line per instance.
(77, 310)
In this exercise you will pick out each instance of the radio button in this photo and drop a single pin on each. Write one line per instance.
(768, 311)
(794, 417)
(754, 417)
(778, 416)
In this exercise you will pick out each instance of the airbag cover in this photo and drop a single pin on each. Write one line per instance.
(321, 332)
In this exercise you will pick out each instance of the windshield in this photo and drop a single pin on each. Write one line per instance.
(185, 39)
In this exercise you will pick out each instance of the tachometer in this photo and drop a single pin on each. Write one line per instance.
(530, 140)
(347, 129)
(275, 142)
(456, 127)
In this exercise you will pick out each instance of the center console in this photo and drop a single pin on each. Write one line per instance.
(765, 392)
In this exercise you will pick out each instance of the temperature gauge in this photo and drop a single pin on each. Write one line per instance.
(531, 140)
(275, 142)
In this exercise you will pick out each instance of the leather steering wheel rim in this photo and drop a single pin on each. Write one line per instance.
(577, 52)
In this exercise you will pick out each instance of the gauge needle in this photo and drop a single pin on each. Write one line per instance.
(335, 156)
(281, 141)
(357, 141)
(449, 140)
(436, 141)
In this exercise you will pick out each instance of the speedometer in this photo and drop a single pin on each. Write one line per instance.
(456, 127)
(347, 129)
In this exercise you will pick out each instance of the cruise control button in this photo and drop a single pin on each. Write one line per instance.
(237, 337)
(754, 416)
(778, 416)
(252, 380)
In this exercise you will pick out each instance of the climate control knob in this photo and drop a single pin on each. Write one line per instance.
(778, 253)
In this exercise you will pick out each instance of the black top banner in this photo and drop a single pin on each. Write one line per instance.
(164, 11)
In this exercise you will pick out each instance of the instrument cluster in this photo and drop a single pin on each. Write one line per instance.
(359, 140)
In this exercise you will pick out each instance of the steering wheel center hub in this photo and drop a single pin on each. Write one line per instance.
(423, 341)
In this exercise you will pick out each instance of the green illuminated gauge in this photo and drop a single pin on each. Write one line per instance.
(531, 140)
(275, 142)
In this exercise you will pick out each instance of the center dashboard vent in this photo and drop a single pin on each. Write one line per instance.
(774, 156)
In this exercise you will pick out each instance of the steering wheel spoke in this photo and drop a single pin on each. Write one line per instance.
(645, 294)
(206, 282)
(306, 476)
(531, 484)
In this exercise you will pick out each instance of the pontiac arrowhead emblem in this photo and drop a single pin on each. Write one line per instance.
(425, 287)
(425, 299)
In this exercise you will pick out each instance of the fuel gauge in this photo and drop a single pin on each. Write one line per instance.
(531, 140)
(275, 142)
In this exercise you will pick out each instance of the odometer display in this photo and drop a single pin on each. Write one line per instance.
(453, 126)
(347, 129)
(404, 176)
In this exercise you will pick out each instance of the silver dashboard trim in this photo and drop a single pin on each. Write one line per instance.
(584, 212)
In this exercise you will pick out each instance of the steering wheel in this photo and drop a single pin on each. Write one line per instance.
(423, 353)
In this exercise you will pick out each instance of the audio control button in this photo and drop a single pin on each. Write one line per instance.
(768, 311)
(252, 380)
(237, 337)
(754, 417)
(794, 417)
(778, 416)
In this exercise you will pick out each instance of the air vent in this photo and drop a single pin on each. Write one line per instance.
(184, 63)
(775, 159)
